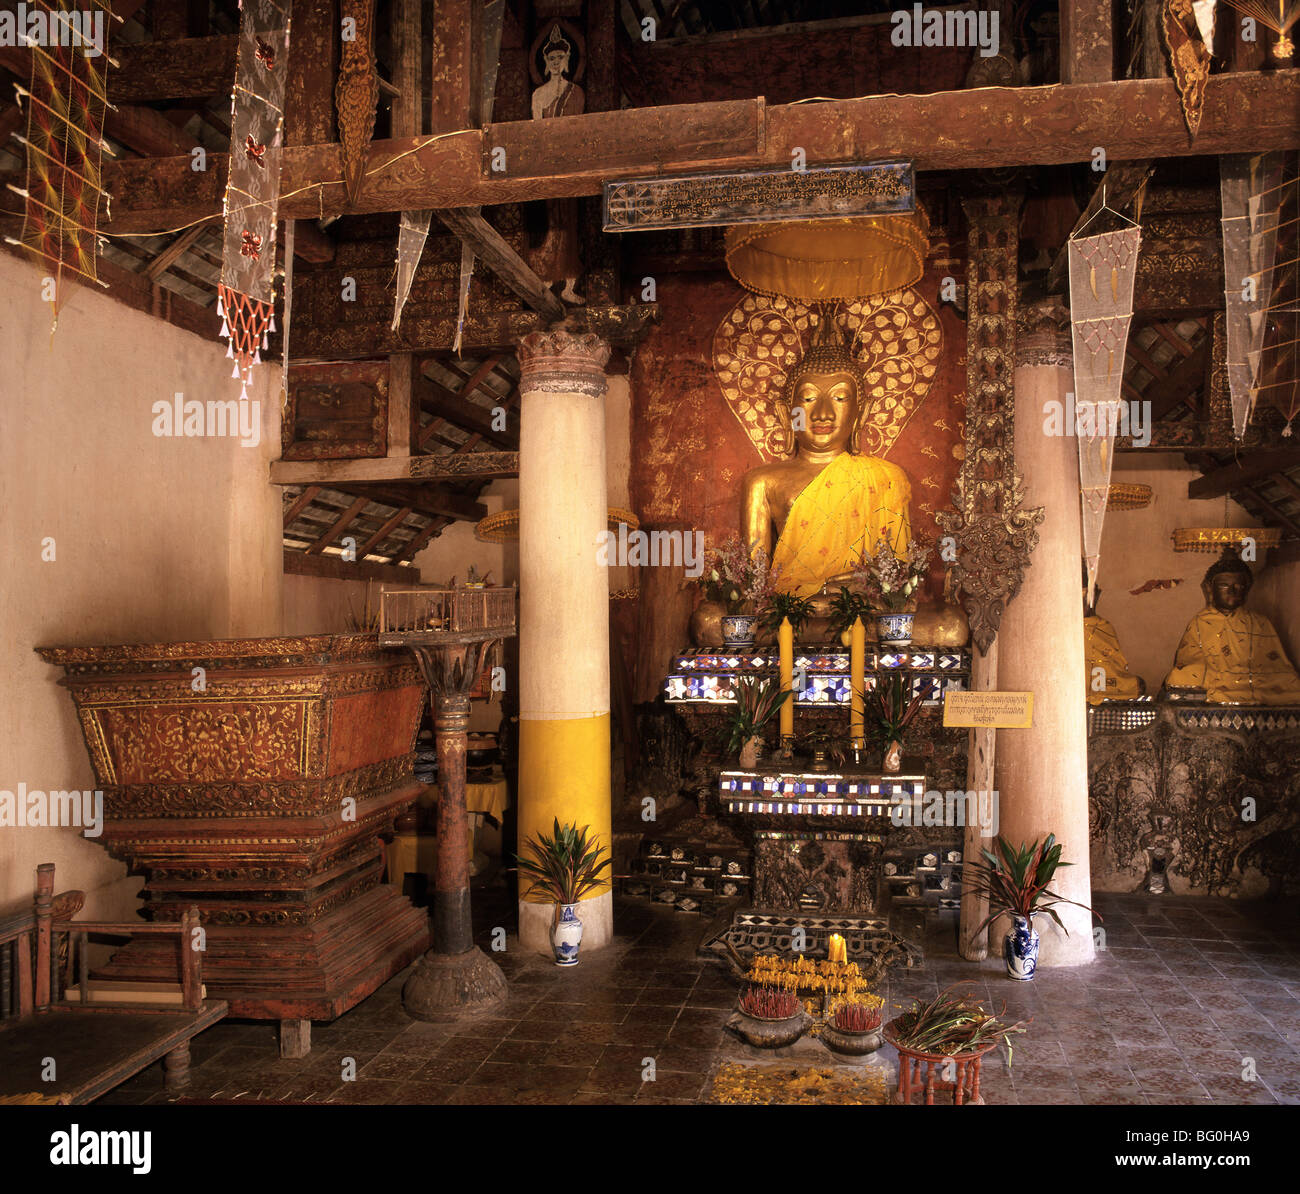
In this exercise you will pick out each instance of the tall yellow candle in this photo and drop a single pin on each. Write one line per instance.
(857, 678)
(785, 641)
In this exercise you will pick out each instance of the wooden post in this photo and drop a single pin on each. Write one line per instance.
(44, 912)
(191, 961)
(1087, 41)
(402, 405)
(295, 1038)
(452, 89)
(313, 63)
(979, 778)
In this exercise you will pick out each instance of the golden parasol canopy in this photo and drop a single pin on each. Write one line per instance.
(820, 261)
(503, 527)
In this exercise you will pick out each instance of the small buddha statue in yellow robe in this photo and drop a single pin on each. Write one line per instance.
(1232, 653)
(829, 505)
(1105, 658)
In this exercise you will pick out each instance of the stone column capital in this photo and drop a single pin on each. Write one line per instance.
(561, 361)
(1043, 335)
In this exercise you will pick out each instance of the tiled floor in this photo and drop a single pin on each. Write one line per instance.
(1192, 1001)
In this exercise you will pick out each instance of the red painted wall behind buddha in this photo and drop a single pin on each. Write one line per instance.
(690, 452)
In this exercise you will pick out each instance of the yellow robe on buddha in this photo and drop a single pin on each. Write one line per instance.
(1237, 658)
(1101, 649)
(840, 514)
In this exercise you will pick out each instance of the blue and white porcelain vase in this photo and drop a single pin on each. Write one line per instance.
(894, 630)
(738, 630)
(566, 936)
(1020, 948)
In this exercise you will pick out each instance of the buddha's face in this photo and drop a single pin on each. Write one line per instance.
(557, 62)
(1228, 591)
(829, 402)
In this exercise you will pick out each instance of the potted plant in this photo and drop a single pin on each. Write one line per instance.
(846, 608)
(949, 1034)
(888, 710)
(743, 585)
(786, 605)
(824, 747)
(564, 867)
(757, 702)
(1015, 881)
(890, 581)
(854, 1028)
(769, 1017)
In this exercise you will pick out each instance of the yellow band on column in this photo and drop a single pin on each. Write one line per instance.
(564, 773)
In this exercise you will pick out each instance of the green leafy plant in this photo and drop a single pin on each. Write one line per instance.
(951, 1024)
(1015, 880)
(564, 866)
(757, 702)
(887, 708)
(846, 607)
(786, 605)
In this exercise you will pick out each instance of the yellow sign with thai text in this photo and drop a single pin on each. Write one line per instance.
(989, 710)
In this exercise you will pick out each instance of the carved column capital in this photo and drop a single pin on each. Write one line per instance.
(1043, 334)
(561, 361)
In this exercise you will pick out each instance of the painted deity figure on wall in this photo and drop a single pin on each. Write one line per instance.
(1232, 653)
(827, 504)
(557, 258)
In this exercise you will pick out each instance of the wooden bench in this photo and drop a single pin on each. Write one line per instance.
(57, 1043)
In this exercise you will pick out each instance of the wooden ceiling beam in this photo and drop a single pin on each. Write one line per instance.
(1143, 358)
(300, 503)
(185, 69)
(383, 532)
(490, 247)
(168, 257)
(1170, 337)
(981, 128)
(429, 500)
(345, 520)
(1181, 384)
(1231, 477)
(299, 563)
(1115, 190)
(1277, 515)
(413, 548)
(466, 415)
(456, 466)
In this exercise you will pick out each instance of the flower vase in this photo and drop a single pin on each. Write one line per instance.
(566, 935)
(894, 630)
(738, 631)
(893, 762)
(1020, 948)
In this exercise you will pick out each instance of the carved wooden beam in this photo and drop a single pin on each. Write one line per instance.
(485, 331)
(450, 467)
(1240, 474)
(982, 128)
(341, 524)
(192, 68)
(1087, 41)
(489, 245)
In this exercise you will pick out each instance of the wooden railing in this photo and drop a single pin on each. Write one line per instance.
(448, 611)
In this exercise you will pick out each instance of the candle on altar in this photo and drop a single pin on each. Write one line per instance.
(838, 949)
(785, 641)
(857, 673)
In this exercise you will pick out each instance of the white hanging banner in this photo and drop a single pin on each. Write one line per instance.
(1102, 272)
(411, 235)
(1250, 191)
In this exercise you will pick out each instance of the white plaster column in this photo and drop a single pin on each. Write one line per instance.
(564, 722)
(1042, 772)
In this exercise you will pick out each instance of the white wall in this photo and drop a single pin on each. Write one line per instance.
(155, 539)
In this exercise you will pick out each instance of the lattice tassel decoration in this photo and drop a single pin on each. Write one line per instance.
(1250, 190)
(411, 235)
(246, 294)
(1102, 271)
(65, 120)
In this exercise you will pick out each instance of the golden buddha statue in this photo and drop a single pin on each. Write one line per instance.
(1101, 651)
(1232, 653)
(827, 503)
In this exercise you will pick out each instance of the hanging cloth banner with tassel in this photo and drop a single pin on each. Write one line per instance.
(1249, 189)
(246, 295)
(462, 298)
(411, 235)
(1102, 271)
